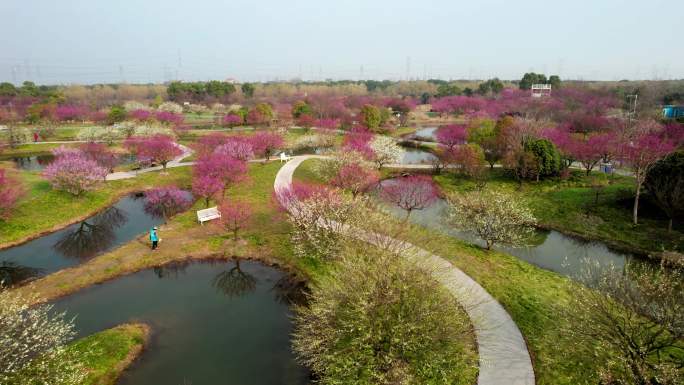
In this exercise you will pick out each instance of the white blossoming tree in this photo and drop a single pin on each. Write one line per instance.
(495, 216)
(385, 150)
(171, 107)
(319, 216)
(33, 344)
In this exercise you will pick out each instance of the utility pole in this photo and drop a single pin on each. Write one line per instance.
(632, 107)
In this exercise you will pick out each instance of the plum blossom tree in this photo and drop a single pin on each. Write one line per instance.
(641, 154)
(451, 135)
(495, 216)
(34, 344)
(100, 154)
(164, 202)
(410, 193)
(234, 216)
(355, 178)
(385, 150)
(11, 190)
(306, 121)
(359, 141)
(73, 172)
(232, 120)
(222, 167)
(236, 147)
(319, 215)
(207, 187)
(265, 143)
(159, 148)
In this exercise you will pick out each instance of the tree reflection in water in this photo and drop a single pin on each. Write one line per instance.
(290, 291)
(234, 282)
(91, 238)
(172, 269)
(12, 273)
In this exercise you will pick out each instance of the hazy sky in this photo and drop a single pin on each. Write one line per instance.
(88, 41)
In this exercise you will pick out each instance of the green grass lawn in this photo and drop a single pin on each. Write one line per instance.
(43, 209)
(535, 298)
(570, 206)
(107, 354)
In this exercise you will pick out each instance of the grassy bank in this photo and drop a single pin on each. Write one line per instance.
(108, 353)
(535, 299)
(42, 210)
(570, 206)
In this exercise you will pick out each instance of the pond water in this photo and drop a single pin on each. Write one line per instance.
(549, 250)
(212, 323)
(118, 224)
(425, 134)
(39, 162)
(416, 156)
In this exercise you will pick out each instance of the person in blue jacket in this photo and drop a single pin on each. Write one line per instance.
(154, 238)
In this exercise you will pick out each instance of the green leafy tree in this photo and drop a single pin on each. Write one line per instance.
(555, 81)
(8, 89)
(448, 89)
(371, 117)
(531, 78)
(219, 89)
(301, 108)
(546, 157)
(665, 183)
(116, 114)
(247, 89)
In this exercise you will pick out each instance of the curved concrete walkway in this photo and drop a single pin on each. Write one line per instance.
(176, 162)
(504, 359)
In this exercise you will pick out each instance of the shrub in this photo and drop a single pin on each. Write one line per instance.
(379, 319)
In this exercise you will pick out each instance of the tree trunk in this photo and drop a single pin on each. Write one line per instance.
(489, 244)
(636, 204)
(669, 226)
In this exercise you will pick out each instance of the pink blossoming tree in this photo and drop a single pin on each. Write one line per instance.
(74, 172)
(160, 149)
(164, 202)
(207, 187)
(355, 178)
(10, 191)
(451, 135)
(410, 193)
(234, 216)
(641, 154)
(265, 143)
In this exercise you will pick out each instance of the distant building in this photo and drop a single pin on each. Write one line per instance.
(539, 90)
(673, 112)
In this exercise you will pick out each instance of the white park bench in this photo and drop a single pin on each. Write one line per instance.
(208, 214)
(284, 157)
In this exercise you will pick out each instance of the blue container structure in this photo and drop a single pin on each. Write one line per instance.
(673, 112)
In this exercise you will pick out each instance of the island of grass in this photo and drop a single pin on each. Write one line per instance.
(108, 353)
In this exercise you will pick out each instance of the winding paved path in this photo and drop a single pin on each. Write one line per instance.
(504, 359)
(176, 162)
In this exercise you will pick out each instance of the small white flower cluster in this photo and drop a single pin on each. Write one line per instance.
(132, 105)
